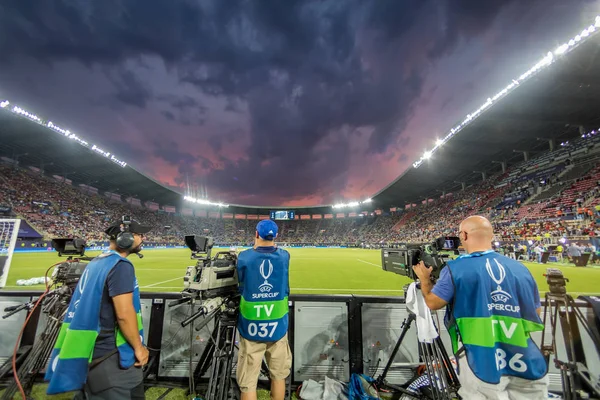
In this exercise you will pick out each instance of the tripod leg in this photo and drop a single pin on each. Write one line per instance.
(430, 367)
(380, 381)
(207, 354)
(220, 372)
(35, 359)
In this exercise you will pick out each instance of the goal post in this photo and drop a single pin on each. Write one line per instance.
(9, 230)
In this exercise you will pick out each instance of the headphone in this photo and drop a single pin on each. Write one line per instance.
(125, 238)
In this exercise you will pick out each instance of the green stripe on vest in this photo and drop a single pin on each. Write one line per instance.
(486, 332)
(61, 335)
(78, 344)
(121, 339)
(264, 310)
(453, 338)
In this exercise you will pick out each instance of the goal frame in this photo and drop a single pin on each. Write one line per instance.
(11, 248)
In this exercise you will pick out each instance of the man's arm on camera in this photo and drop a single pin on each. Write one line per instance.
(431, 299)
(127, 319)
(437, 296)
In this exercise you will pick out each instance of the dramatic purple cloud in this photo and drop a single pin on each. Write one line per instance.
(271, 102)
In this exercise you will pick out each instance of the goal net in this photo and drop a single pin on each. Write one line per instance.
(9, 230)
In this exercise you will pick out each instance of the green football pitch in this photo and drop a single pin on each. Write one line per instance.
(312, 271)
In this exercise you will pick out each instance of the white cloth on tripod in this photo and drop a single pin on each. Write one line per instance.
(415, 302)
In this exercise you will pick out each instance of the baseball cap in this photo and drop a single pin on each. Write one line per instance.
(267, 229)
(134, 227)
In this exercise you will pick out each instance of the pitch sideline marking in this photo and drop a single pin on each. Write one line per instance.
(366, 262)
(158, 283)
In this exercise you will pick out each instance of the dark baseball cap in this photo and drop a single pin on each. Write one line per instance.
(134, 227)
(267, 229)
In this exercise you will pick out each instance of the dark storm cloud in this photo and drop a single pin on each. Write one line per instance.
(130, 90)
(184, 109)
(449, 21)
(168, 115)
(169, 151)
(182, 103)
(298, 67)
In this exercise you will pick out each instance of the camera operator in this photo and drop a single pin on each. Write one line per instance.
(263, 274)
(103, 324)
(493, 305)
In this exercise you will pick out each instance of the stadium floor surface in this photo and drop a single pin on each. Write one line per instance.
(39, 393)
(312, 271)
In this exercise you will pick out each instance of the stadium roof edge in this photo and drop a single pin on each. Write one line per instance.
(391, 195)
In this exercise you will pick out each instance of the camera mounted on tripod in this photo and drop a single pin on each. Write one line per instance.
(71, 270)
(54, 304)
(557, 283)
(211, 276)
(402, 258)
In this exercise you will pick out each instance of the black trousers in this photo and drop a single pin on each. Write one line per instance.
(108, 381)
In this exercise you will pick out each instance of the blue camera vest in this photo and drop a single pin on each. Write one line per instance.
(68, 367)
(493, 314)
(264, 286)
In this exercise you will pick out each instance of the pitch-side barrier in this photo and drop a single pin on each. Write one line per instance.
(330, 335)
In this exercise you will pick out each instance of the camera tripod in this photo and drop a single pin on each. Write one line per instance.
(32, 359)
(577, 381)
(218, 353)
(443, 381)
(217, 356)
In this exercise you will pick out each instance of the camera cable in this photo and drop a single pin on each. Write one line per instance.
(20, 336)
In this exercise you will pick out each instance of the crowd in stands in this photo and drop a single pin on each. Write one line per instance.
(555, 195)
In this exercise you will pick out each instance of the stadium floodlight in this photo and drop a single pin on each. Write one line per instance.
(439, 142)
(561, 49)
(352, 204)
(65, 132)
(20, 111)
(204, 202)
(547, 60)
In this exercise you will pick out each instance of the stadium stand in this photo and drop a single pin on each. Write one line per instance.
(541, 189)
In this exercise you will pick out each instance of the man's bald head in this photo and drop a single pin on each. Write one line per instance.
(477, 234)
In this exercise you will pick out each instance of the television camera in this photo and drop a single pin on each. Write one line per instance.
(213, 282)
(402, 258)
(441, 381)
(210, 277)
(71, 270)
(30, 360)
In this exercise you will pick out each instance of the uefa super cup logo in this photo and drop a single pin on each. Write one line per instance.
(266, 286)
(498, 295)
